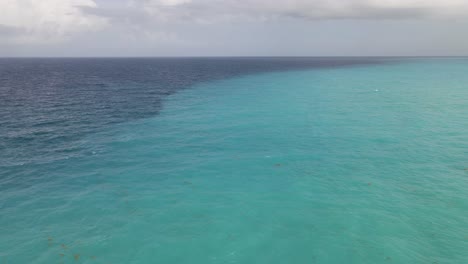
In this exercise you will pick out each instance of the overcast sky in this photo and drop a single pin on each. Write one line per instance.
(233, 27)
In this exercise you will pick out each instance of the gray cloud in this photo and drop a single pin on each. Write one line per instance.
(9, 31)
(212, 10)
(231, 27)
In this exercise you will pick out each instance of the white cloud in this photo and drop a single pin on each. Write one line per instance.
(42, 21)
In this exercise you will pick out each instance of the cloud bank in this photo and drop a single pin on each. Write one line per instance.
(51, 21)
(207, 10)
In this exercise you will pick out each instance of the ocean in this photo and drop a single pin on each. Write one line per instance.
(234, 160)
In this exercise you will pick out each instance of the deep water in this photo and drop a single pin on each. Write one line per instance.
(253, 160)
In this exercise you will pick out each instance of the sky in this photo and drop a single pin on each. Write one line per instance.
(129, 28)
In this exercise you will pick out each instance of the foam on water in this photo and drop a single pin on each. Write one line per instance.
(295, 167)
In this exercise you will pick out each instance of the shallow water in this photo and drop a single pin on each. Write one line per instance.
(363, 164)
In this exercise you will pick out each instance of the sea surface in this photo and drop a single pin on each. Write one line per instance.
(234, 160)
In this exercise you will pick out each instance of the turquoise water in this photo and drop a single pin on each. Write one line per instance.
(365, 164)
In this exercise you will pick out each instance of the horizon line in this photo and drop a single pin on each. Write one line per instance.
(240, 56)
